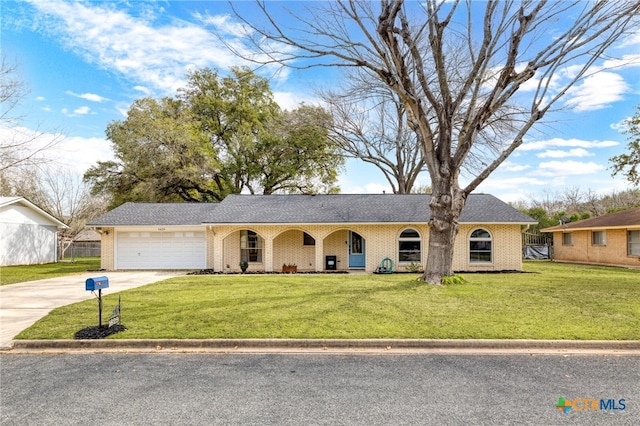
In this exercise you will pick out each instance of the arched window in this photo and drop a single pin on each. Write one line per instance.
(480, 247)
(409, 246)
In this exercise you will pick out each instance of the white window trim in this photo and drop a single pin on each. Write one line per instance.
(490, 239)
(418, 238)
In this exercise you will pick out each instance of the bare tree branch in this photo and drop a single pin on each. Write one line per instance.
(19, 147)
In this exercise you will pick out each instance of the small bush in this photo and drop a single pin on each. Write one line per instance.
(452, 279)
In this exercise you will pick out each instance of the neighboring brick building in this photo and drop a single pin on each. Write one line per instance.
(315, 232)
(612, 239)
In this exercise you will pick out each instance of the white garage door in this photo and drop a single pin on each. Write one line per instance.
(161, 250)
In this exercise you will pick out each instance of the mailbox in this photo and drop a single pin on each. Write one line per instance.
(97, 283)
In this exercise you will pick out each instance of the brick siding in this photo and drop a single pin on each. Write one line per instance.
(613, 252)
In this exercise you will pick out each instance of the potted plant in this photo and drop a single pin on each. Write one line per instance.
(244, 265)
(228, 268)
(289, 268)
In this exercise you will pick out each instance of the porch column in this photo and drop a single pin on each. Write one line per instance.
(268, 254)
(218, 250)
(319, 254)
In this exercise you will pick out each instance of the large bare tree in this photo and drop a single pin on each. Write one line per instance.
(370, 124)
(457, 66)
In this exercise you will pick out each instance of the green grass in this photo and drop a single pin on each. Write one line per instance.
(23, 273)
(554, 301)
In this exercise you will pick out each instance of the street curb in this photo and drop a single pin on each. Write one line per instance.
(325, 344)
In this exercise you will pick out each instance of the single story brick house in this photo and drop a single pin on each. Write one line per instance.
(314, 232)
(611, 239)
(28, 234)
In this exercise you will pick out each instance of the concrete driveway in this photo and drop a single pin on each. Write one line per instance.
(23, 304)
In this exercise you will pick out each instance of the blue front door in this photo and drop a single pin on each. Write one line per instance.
(356, 251)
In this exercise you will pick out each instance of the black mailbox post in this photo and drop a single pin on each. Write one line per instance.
(330, 263)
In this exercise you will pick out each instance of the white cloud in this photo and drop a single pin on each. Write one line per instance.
(289, 100)
(156, 55)
(87, 96)
(576, 152)
(499, 184)
(83, 110)
(630, 60)
(40, 98)
(142, 89)
(558, 142)
(82, 153)
(568, 168)
(509, 166)
(622, 125)
(224, 24)
(77, 153)
(596, 92)
(631, 39)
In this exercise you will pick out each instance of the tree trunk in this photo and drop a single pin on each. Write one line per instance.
(446, 206)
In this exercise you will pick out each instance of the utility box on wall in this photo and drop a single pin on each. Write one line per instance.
(330, 263)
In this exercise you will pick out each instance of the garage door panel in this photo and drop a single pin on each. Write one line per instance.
(161, 250)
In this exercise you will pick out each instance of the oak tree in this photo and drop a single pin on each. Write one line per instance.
(220, 135)
(629, 162)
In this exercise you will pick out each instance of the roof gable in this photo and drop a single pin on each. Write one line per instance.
(7, 202)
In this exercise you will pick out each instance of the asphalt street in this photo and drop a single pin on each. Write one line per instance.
(316, 389)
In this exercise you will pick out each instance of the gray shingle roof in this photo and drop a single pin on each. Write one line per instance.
(355, 208)
(299, 209)
(145, 214)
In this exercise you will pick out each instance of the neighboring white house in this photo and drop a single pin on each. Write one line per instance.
(28, 234)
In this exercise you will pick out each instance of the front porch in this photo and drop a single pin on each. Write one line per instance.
(269, 248)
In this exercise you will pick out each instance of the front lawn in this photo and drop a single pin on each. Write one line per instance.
(553, 301)
(23, 273)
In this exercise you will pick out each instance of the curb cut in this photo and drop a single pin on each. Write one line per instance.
(327, 344)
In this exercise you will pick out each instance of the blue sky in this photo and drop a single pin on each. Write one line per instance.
(85, 62)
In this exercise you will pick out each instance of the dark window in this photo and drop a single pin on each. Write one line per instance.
(308, 240)
(409, 246)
